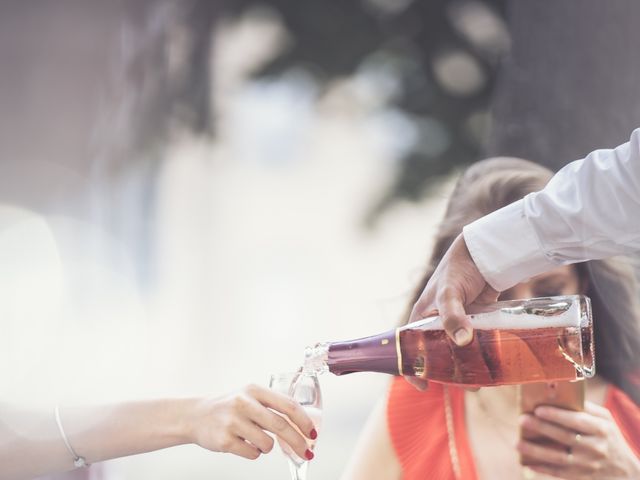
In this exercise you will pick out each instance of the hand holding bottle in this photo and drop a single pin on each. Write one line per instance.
(517, 341)
(595, 447)
(456, 282)
(238, 423)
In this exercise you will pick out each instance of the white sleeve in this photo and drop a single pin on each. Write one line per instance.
(589, 210)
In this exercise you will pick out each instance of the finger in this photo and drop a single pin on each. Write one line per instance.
(553, 431)
(597, 410)
(541, 454)
(287, 406)
(581, 422)
(450, 301)
(593, 447)
(279, 425)
(552, 471)
(255, 435)
(242, 449)
(425, 306)
(418, 383)
(579, 472)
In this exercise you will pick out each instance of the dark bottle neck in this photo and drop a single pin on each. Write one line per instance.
(378, 353)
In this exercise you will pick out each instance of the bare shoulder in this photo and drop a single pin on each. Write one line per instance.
(374, 457)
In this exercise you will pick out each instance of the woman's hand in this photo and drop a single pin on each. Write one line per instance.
(238, 423)
(595, 447)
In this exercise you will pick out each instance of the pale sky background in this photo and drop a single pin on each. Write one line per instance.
(259, 251)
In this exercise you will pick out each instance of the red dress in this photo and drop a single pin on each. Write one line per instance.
(418, 429)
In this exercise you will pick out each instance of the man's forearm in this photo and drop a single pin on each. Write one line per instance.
(589, 210)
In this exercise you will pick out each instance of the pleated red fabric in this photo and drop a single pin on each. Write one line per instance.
(418, 428)
(417, 423)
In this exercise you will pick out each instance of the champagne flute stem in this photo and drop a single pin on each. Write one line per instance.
(298, 471)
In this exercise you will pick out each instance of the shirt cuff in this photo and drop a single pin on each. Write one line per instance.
(505, 247)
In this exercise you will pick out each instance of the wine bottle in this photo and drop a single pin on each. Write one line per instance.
(514, 342)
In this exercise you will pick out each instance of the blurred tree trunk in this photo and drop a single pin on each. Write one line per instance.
(570, 84)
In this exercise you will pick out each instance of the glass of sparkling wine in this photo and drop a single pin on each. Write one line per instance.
(304, 388)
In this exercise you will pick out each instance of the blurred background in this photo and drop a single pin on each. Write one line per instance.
(193, 191)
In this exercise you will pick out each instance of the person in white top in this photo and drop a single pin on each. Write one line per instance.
(242, 423)
(589, 210)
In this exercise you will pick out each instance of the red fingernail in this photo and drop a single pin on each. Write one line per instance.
(313, 435)
(308, 454)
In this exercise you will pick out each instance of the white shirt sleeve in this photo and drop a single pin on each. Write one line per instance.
(589, 210)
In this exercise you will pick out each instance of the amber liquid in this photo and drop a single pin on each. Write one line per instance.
(497, 357)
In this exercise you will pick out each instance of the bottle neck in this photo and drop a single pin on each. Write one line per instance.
(378, 353)
(316, 358)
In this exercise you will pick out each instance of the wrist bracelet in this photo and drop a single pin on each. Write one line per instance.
(78, 461)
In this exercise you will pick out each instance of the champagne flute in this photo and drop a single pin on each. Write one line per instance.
(304, 388)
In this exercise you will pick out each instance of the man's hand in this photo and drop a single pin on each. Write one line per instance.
(456, 283)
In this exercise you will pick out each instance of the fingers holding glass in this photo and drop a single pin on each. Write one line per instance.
(303, 407)
(281, 402)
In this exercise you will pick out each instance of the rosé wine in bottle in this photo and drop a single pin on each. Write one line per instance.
(514, 342)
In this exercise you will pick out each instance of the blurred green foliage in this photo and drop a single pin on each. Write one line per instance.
(438, 58)
(441, 54)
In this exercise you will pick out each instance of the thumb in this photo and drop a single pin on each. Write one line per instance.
(454, 317)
